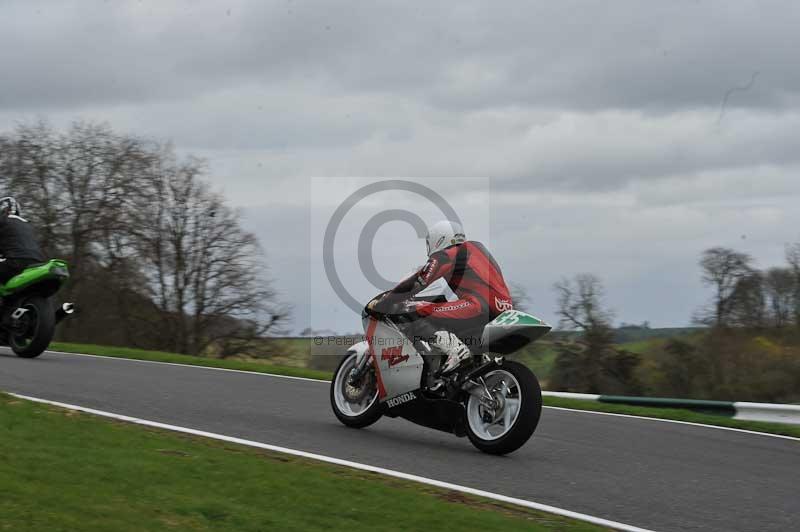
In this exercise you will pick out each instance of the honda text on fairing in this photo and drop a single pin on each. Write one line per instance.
(496, 403)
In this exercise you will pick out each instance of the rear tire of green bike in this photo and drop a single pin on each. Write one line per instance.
(40, 330)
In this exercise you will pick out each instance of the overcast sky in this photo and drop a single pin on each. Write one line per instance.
(615, 138)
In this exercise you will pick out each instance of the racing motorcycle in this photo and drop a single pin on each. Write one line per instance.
(495, 402)
(27, 317)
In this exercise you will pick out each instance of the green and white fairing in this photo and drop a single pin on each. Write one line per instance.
(512, 330)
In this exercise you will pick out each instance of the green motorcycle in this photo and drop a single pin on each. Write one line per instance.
(27, 318)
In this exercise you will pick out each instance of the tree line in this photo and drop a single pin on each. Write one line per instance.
(746, 296)
(748, 350)
(158, 259)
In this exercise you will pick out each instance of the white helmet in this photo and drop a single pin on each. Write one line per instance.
(9, 205)
(442, 235)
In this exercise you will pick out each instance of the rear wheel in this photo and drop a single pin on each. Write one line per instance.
(355, 405)
(503, 415)
(33, 331)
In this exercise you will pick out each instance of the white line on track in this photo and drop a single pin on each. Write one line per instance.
(690, 423)
(347, 463)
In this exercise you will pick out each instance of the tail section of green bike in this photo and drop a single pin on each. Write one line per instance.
(27, 316)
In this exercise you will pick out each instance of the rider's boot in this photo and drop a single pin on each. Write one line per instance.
(450, 345)
(433, 358)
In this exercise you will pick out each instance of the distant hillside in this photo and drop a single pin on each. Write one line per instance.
(632, 333)
(636, 333)
(324, 352)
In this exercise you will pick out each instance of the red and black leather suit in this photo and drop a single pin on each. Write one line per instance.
(475, 278)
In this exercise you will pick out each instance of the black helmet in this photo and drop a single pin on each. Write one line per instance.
(9, 205)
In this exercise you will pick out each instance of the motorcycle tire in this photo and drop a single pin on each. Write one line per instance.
(364, 419)
(527, 419)
(39, 331)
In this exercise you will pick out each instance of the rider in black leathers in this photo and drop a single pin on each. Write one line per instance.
(18, 246)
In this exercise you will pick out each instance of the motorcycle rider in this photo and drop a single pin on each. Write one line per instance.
(18, 246)
(473, 276)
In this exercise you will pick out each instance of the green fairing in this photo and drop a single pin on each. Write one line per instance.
(54, 269)
(516, 317)
(512, 330)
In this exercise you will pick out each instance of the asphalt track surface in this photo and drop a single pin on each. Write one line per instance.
(656, 475)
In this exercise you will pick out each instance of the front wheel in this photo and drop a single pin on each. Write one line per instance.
(34, 329)
(503, 414)
(355, 405)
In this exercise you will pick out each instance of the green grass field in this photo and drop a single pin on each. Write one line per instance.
(538, 357)
(298, 357)
(256, 365)
(64, 471)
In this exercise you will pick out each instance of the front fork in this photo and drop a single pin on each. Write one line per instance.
(358, 372)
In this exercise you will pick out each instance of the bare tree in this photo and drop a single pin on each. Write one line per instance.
(519, 296)
(780, 290)
(76, 188)
(29, 164)
(580, 303)
(793, 258)
(205, 272)
(170, 265)
(748, 306)
(723, 268)
(591, 364)
(79, 184)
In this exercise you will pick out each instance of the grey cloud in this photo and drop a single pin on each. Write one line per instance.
(599, 124)
(576, 55)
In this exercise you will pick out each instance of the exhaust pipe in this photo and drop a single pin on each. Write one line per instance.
(66, 310)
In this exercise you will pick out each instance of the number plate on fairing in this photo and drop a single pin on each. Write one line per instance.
(516, 317)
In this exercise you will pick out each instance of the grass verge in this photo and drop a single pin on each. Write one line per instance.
(576, 404)
(63, 470)
(677, 414)
(160, 356)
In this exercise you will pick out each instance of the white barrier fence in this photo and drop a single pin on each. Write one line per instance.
(768, 412)
(775, 413)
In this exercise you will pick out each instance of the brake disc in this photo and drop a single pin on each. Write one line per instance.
(356, 394)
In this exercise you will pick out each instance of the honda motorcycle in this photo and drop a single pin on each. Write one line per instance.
(27, 316)
(495, 402)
